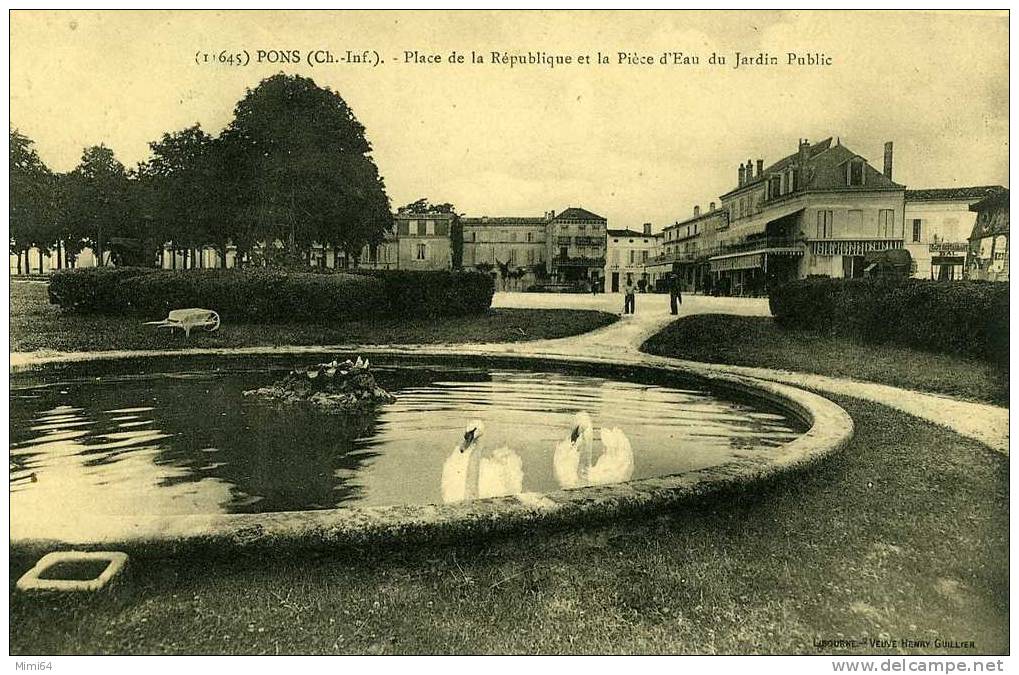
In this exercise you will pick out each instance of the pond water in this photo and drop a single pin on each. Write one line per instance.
(184, 440)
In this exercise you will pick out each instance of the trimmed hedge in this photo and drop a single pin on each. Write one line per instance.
(255, 296)
(957, 317)
(274, 296)
(435, 293)
(90, 289)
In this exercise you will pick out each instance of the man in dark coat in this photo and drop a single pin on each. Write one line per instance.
(675, 293)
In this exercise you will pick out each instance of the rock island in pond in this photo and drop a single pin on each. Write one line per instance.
(348, 385)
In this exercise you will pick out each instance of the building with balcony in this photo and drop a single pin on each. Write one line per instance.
(575, 247)
(686, 246)
(938, 225)
(988, 242)
(628, 257)
(816, 212)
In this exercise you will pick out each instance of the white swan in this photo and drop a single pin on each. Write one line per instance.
(573, 460)
(472, 472)
(572, 457)
(616, 462)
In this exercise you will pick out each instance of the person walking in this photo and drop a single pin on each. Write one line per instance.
(675, 293)
(629, 296)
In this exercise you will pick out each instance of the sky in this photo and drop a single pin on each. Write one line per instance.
(632, 142)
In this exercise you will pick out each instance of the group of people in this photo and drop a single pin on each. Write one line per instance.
(630, 295)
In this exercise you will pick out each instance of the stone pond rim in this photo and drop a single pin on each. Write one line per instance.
(829, 429)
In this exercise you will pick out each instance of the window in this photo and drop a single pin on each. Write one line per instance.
(854, 173)
(825, 219)
(886, 223)
(429, 227)
(530, 256)
(513, 256)
(422, 251)
(917, 229)
(775, 186)
(615, 256)
(412, 227)
(643, 256)
(530, 237)
(631, 255)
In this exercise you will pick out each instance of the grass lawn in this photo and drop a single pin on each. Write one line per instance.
(903, 535)
(758, 341)
(36, 324)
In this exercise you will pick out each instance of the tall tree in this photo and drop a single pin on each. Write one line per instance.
(181, 192)
(304, 169)
(32, 201)
(98, 199)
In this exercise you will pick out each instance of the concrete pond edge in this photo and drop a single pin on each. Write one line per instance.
(829, 429)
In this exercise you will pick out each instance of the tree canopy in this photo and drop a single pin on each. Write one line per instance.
(304, 169)
(293, 166)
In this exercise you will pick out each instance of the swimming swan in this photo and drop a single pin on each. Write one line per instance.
(473, 472)
(573, 460)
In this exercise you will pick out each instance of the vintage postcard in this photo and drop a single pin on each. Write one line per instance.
(510, 332)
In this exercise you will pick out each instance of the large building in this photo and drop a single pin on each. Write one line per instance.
(988, 252)
(686, 246)
(816, 212)
(938, 225)
(514, 248)
(575, 244)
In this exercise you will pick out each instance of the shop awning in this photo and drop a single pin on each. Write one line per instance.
(744, 261)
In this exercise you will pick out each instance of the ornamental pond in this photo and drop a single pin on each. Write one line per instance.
(165, 437)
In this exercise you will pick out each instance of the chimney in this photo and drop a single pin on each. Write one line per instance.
(711, 206)
(742, 175)
(760, 168)
(804, 151)
(696, 210)
(750, 170)
(888, 160)
(647, 229)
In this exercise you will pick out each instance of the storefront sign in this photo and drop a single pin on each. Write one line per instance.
(949, 247)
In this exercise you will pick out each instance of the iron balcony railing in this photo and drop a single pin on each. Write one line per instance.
(577, 261)
(580, 241)
(759, 244)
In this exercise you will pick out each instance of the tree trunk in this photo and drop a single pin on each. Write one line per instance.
(19, 262)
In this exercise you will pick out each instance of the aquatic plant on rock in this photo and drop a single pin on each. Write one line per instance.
(342, 385)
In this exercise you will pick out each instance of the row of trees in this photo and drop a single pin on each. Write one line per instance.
(293, 166)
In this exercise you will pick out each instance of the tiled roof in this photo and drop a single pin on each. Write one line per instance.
(504, 220)
(992, 215)
(952, 194)
(575, 213)
(998, 197)
(626, 233)
(824, 170)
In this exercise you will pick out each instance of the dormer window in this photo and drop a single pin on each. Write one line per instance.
(854, 172)
(775, 186)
